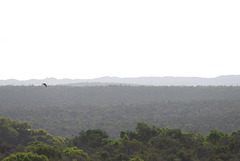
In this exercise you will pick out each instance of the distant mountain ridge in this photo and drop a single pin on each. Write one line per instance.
(229, 80)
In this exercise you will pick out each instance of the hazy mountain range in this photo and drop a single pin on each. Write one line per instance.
(230, 80)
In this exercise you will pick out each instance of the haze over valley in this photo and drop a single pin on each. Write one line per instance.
(128, 80)
(229, 80)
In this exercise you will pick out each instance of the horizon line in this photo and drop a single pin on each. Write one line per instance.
(119, 77)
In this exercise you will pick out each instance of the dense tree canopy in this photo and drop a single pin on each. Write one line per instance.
(146, 142)
(64, 111)
(97, 123)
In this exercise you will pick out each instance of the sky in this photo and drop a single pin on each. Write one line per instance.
(83, 39)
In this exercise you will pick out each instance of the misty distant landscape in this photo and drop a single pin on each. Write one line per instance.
(119, 80)
(117, 118)
(230, 80)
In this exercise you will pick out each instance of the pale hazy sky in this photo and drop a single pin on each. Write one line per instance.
(124, 38)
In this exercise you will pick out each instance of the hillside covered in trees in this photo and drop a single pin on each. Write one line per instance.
(64, 111)
(20, 142)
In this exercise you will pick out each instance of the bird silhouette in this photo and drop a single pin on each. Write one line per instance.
(44, 84)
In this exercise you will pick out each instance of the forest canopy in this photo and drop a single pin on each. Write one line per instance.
(146, 142)
(64, 111)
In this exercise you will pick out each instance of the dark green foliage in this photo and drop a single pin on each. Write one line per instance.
(145, 132)
(89, 139)
(26, 157)
(214, 137)
(203, 151)
(104, 155)
(15, 132)
(6, 149)
(73, 153)
(148, 143)
(121, 157)
(42, 148)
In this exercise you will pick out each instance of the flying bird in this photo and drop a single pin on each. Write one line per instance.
(44, 84)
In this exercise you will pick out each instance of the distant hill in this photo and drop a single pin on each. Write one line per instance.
(230, 80)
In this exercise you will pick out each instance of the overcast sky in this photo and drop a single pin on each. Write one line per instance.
(124, 38)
